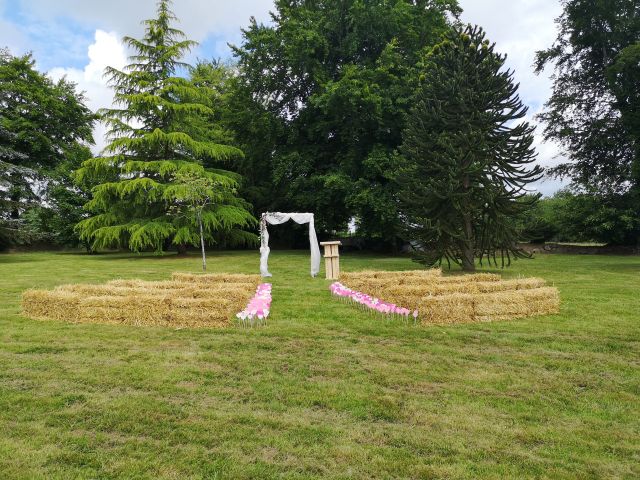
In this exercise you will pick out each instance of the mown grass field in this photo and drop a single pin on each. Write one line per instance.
(325, 390)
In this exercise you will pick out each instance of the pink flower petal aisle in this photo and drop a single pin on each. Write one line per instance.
(373, 304)
(257, 310)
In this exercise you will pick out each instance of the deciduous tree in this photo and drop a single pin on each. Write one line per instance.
(42, 123)
(329, 83)
(593, 109)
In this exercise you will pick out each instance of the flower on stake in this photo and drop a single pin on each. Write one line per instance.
(258, 307)
(370, 303)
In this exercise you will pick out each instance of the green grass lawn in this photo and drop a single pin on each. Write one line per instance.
(325, 390)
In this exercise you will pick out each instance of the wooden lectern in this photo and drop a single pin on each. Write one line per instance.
(331, 259)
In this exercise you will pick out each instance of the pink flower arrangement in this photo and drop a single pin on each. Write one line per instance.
(257, 310)
(374, 304)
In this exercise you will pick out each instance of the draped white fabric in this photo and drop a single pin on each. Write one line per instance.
(276, 218)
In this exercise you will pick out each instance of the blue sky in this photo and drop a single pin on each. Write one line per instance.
(78, 38)
(59, 34)
(56, 41)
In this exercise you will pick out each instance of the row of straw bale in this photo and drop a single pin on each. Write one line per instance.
(389, 275)
(177, 289)
(197, 303)
(457, 298)
(410, 295)
(173, 284)
(483, 307)
(367, 284)
(210, 278)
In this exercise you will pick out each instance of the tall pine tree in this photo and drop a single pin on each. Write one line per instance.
(466, 160)
(143, 205)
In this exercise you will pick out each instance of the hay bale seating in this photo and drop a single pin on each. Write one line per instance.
(129, 288)
(188, 300)
(389, 275)
(458, 298)
(412, 281)
(210, 278)
(486, 307)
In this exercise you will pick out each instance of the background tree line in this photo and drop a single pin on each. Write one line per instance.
(390, 114)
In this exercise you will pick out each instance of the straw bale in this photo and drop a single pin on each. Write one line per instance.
(453, 308)
(463, 307)
(133, 310)
(383, 274)
(239, 291)
(417, 280)
(209, 302)
(407, 291)
(520, 303)
(173, 284)
(484, 286)
(472, 277)
(216, 278)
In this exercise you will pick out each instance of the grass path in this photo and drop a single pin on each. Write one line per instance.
(324, 391)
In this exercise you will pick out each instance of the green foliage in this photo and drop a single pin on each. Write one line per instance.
(582, 217)
(538, 224)
(42, 124)
(53, 222)
(596, 96)
(213, 80)
(320, 104)
(9, 175)
(46, 118)
(623, 77)
(467, 161)
(157, 141)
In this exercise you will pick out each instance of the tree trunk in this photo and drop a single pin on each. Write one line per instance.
(182, 249)
(394, 246)
(204, 257)
(468, 263)
(14, 197)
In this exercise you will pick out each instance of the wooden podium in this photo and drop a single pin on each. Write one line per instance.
(331, 259)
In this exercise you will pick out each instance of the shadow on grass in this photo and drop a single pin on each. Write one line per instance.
(166, 256)
(17, 258)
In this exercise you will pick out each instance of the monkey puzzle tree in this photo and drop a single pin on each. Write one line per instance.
(466, 160)
(149, 153)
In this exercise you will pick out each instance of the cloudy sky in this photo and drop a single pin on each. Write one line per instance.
(78, 38)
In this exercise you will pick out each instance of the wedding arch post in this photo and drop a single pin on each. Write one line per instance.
(276, 218)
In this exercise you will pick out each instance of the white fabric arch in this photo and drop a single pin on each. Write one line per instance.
(276, 218)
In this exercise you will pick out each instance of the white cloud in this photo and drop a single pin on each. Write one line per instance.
(107, 50)
(519, 29)
(11, 36)
(199, 19)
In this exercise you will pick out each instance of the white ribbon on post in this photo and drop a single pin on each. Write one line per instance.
(276, 218)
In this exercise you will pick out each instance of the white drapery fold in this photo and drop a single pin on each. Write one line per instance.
(276, 218)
